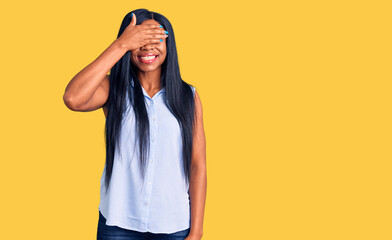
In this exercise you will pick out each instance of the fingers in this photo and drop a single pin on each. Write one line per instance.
(156, 31)
(153, 41)
(156, 38)
(133, 21)
(155, 35)
(149, 26)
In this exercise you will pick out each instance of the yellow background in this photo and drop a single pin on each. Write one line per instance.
(297, 113)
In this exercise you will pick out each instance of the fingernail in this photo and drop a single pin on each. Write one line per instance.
(160, 40)
(166, 32)
(160, 26)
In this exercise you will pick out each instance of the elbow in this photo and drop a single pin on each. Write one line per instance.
(199, 168)
(70, 103)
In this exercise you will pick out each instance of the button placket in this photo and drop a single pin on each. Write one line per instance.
(147, 196)
(150, 169)
(153, 127)
(153, 130)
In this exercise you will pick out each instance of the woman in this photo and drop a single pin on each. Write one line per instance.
(154, 181)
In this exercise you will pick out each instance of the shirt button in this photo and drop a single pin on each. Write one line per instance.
(146, 204)
(153, 140)
(149, 182)
(150, 160)
(153, 118)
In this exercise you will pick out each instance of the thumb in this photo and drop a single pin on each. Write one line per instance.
(133, 21)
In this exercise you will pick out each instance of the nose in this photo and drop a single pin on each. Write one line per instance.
(147, 47)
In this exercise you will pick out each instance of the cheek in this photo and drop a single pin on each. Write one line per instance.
(164, 55)
(162, 49)
(133, 59)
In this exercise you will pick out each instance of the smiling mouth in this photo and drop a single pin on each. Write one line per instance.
(148, 59)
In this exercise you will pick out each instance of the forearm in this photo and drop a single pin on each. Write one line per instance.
(198, 192)
(84, 84)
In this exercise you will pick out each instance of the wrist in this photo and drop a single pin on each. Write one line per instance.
(120, 45)
(195, 234)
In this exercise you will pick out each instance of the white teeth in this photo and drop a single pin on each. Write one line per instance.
(147, 58)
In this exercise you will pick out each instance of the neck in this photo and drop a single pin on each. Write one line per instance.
(150, 80)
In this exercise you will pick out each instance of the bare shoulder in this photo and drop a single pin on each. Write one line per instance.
(198, 112)
(198, 104)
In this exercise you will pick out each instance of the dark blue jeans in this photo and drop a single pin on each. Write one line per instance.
(106, 232)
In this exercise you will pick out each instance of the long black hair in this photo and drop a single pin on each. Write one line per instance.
(179, 99)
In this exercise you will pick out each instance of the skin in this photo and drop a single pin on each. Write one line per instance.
(89, 91)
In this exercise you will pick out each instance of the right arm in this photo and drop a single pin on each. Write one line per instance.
(89, 89)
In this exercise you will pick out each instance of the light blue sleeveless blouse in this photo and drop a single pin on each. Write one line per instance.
(162, 204)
